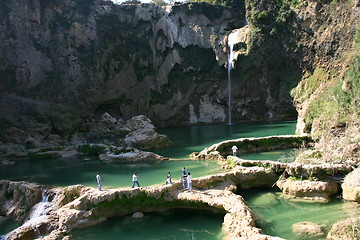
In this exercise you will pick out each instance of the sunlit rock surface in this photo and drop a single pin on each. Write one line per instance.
(307, 230)
(351, 186)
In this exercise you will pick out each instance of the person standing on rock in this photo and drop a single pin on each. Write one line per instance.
(189, 182)
(168, 179)
(184, 170)
(234, 150)
(135, 180)
(98, 179)
(184, 180)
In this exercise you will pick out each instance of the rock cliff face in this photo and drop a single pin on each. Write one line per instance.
(168, 63)
(127, 59)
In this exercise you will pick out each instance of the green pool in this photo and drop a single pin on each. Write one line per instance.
(172, 224)
(276, 214)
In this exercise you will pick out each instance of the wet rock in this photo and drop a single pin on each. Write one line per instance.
(311, 190)
(137, 215)
(307, 230)
(140, 122)
(16, 198)
(129, 155)
(351, 186)
(147, 139)
(344, 230)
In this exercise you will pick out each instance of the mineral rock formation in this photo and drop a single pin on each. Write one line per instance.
(312, 190)
(307, 230)
(351, 186)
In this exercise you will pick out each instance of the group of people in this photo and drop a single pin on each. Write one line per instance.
(186, 180)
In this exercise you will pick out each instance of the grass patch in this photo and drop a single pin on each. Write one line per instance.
(91, 149)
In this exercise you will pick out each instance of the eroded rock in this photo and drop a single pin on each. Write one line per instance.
(351, 186)
(147, 139)
(347, 229)
(307, 230)
(311, 190)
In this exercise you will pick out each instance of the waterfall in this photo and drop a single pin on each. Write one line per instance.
(230, 66)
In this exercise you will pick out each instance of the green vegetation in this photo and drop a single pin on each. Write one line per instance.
(120, 150)
(125, 204)
(132, 2)
(91, 149)
(212, 12)
(270, 23)
(236, 4)
(339, 102)
(115, 103)
(9, 194)
(261, 144)
(230, 163)
(309, 83)
(158, 2)
(72, 194)
(48, 149)
(301, 178)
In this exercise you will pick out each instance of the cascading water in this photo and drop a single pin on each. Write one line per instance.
(230, 66)
(230, 58)
(38, 215)
(40, 208)
(236, 36)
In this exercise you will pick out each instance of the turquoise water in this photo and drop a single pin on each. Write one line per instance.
(165, 225)
(6, 225)
(280, 155)
(196, 138)
(277, 214)
(172, 224)
(82, 170)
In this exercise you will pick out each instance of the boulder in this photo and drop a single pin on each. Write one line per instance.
(137, 215)
(130, 156)
(140, 122)
(147, 138)
(107, 119)
(344, 230)
(311, 190)
(307, 230)
(351, 186)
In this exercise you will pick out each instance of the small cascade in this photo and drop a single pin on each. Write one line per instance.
(40, 208)
(38, 217)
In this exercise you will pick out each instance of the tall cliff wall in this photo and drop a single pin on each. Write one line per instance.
(66, 60)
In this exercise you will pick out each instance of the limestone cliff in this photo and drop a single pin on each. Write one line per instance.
(168, 63)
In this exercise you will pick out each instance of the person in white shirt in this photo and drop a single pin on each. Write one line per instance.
(135, 180)
(234, 150)
(189, 182)
(168, 179)
(99, 182)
